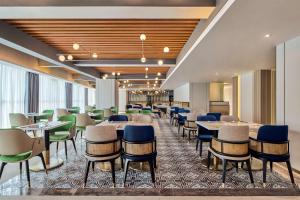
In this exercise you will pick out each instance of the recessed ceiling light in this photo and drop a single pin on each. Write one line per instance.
(146, 68)
(123, 86)
(267, 35)
(155, 81)
(148, 82)
(146, 76)
(118, 73)
(158, 74)
(156, 78)
(76, 46)
(124, 81)
(160, 62)
(154, 85)
(94, 55)
(143, 37)
(166, 50)
(114, 73)
(70, 57)
(143, 59)
(61, 58)
(105, 75)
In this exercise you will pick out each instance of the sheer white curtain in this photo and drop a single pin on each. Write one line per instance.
(12, 91)
(52, 93)
(91, 96)
(78, 98)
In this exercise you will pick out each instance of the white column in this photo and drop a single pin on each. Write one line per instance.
(105, 93)
(199, 97)
(122, 100)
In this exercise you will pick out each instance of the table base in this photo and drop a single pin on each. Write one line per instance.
(54, 163)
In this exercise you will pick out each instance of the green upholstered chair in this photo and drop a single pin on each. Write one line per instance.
(146, 112)
(17, 147)
(114, 110)
(65, 133)
(48, 115)
(83, 120)
(62, 112)
(75, 110)
(18, 119)
(132, 111)
(100, 114)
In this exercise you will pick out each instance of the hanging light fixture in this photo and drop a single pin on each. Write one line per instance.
(76, 46)
(143, 38)
(146, 68)
(156, 78)
(158, 74)
(143, 59)
(146, 76)
(61, 58)
(155, 81)
(160, 62)
(118, 73)
(70, 57)
(113, 73)
(166, 50)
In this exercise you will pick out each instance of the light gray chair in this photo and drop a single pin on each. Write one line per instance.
(62, 112)
(82, 121)
(231, 145)
(190, 124)
(102, 145)
(229, 118)
(19, 119)
(16, 147)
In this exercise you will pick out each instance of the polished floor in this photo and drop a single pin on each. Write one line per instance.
(180, 172)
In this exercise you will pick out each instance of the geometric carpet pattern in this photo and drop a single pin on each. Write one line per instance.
(179, 167)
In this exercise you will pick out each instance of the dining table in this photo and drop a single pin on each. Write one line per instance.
(45, 128)
(216, 125)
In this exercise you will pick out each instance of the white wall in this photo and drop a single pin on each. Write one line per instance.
(182, 93)
(122, 100)
(246, 96)
(199, 97)
(105, 93)
(228, 96)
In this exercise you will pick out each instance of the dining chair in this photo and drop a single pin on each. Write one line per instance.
(75, 110)
(114, 110)
(272, 145)
(190, 124)
(171, 111)
(62, 112)
(88, 109)
(18, 119)
(146, 112)
(99, 114)
(82, 121)
(107, 113)
(118, 118)
(47, 116)
(229, 118)
(231, 145)
(140, 118)
(102, 145)
(216, 114)
(204, 135)
(65, 133)
(17, 147)
(139, 145)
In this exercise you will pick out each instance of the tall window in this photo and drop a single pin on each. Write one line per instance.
(52, 93)
(12, 91)
(91, 96)
(78, 97)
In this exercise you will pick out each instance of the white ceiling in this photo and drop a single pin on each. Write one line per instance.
(236, 43)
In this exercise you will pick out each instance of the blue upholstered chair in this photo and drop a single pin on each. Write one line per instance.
(139, 145)
(204, 135)
(172, 113)
(118, 118)
(181, 119)
(216, 114)
(272, 145)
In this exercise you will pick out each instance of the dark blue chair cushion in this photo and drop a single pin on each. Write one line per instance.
(216, 114)
(206, 118)
(205, 137)
(273, 133)
(181, 119)
(272, 158)
(138, 133)
(140, 158)
(118, 118)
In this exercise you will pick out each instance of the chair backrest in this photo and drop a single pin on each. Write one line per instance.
(206, 118)
(216, 114)
(134, 133)
(102, 141)
(62, 112)
(83, 120)
(49, 114)
(191, 116)
(118, 118)
(273, 133)
(107, 113)
(71, 127)
(18, 119)
(229, 118)
(141, 118)
(14, 141)
(88, 109)
(234, 133)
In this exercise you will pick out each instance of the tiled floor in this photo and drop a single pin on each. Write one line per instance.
(180, 172)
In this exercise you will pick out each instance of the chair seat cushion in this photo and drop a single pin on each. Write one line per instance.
(92, 158)
(59, 136)
(15, 158)
(272, 158)
(98, 121)
(139, 158)
(233, 158)
(205, 137)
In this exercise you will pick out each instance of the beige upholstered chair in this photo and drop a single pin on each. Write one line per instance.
(232, 145)
(190, 124)
(88, 109)
(102, 145)
(18, 119)
(62, 112)
(83, 120)
(107, 113)
(16, 147)
(141, 118)
(229, 118)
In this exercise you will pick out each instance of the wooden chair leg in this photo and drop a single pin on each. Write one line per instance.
(66, 149)
(74, 145)
(112, 164)
(224, 170)
(152, 170)
(28, 173)
(264, 171)
(249, 170)
(87, 171)
(2, 168)
(126, 170)
(288, 163)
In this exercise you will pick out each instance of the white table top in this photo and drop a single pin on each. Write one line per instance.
(121, 125)
(35, 114)
(43, 126)
(183, 114)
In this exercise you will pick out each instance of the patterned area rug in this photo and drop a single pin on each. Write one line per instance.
(179, 169)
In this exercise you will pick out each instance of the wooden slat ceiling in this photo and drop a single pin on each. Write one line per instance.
(113, 39)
